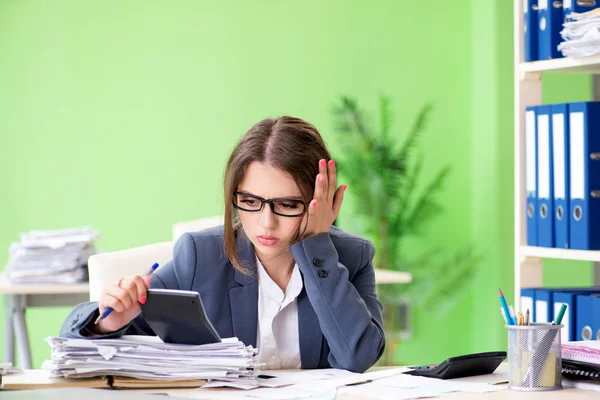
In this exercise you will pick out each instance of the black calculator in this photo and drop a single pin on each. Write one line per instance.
(462, 366)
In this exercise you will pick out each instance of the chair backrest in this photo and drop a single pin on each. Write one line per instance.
(196, 225)
(106, 268)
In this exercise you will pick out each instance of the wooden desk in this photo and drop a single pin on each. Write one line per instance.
(97, 394)
(17, 297)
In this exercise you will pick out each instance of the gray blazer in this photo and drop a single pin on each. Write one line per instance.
(339, 316)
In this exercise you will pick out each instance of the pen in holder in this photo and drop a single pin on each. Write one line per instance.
(534, 357)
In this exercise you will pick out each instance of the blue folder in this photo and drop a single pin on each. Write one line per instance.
(569, 331)
(544, 300)
(531, 174)
(587, 317)
(577, 6)
(584, 166)
(543, 305)
(560, 169)
(528, 302)
(550, 18)
(530, 27)
(545, 184)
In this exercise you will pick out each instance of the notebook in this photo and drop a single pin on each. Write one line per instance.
(587, 351)
(581, 360)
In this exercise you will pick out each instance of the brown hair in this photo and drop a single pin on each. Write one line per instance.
(287, 143)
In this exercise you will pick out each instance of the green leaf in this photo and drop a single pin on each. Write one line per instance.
(426, 207)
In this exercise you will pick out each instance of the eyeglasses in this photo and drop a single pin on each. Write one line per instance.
(284, 207)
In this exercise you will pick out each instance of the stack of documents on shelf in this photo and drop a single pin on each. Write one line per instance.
(7, 368)
(148, 357)
(52, 256)
(581, 34)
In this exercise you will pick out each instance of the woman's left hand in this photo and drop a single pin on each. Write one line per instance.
(325, 206)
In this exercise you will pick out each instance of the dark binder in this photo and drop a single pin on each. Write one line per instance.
(580, 371)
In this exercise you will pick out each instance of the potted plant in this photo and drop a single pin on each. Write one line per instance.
(383, 172)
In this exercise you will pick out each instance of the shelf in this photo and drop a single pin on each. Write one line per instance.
(563, 254)
(588, 65)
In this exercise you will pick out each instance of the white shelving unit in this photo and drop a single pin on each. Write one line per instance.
(528, 92)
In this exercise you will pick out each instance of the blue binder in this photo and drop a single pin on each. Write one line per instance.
(531, 175)
(545, 218)
(545, 298)
(584, 166)
(560, 169)
(528, 302)
(569, 331)
(530, 27)
(587, 317)
(578, 6)
(550, 17)
(543, 305)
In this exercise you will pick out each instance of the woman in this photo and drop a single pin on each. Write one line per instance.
(277, 275)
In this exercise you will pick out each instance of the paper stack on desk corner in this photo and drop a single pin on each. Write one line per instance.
(148, 357)
(52, 256)
(8, 368)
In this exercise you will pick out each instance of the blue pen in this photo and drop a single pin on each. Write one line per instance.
(108, 310)
(509, 319)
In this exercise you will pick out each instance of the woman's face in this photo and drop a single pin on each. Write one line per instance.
(271, 234)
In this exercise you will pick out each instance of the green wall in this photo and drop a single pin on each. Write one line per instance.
(120, 115)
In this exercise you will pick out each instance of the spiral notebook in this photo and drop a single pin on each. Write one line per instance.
(581, 360)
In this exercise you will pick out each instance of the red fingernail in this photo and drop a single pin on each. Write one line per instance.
(143, 299)
(332, 163)
(314, 203)
(322, 162)
(345, 187)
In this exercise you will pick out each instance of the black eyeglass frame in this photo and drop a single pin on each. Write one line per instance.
(270, 202)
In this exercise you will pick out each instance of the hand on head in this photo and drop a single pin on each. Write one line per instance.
(325, 206)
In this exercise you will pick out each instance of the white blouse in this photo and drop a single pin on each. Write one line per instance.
(277, 338)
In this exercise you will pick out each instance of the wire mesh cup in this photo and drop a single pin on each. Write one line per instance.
(534, 358)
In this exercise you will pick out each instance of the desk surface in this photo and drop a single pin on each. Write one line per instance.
(7, 287)
(100, 394)
(566, 393)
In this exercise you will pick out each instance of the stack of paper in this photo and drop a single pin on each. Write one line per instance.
(581, 34)
(148, 357)
(7, 368)
(52, 256)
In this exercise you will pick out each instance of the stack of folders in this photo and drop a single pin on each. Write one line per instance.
(58, 256)
(562, 157)
(581, 35)
(582, 318)
(543, 22)
(581, 362)
(149, 358)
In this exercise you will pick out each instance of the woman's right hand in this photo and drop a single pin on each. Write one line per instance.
(124, 297)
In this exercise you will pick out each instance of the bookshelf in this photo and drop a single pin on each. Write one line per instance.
(528, 262)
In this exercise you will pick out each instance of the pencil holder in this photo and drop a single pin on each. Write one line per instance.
(534, 358)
